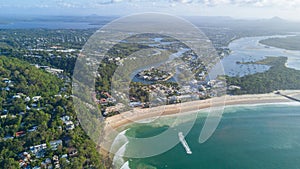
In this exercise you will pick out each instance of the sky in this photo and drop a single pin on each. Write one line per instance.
(251, 9)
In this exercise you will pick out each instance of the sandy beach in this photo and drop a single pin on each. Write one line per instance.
(179, 109)
(119, 122)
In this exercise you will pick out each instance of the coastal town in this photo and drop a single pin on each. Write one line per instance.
(39, 127)
(157, 86)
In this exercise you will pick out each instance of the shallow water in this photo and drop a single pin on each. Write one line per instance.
(254, 137)
(249, 49)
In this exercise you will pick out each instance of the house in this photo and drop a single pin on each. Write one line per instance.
(34, 105)
(36, 98)
(36, 167)
(57, 95)
(32, 129)
(69, 125)
(56, 161)
(27, 99)
(47, 164)
(16, 97)
(202, 88)
(72, 152)
(21, 94)
(28, 108)
(8, 138)
(55, 158)
(22, 113)
(135, 104)
(211, 83)
(55, 144)
(24, 159)
(116, 108)
(65, 118)
(54, 71)
(173, 100)
(3, 116)
(48, 161)
(20, 133)
(111, 100)
(232, 87)
(7, 81)
(38, 150)
(189, 97)
(103, 101)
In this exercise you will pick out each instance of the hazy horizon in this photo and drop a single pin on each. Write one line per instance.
(237, 9)
(32, 17)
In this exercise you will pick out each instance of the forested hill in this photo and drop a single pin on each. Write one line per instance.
(26, 79)
(38, 124)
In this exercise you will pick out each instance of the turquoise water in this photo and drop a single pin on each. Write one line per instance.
(253, 137)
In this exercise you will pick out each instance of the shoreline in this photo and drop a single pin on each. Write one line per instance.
(121, 121)
(138, 114)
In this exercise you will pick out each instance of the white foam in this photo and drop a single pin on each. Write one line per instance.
(264, 104)
(118, 147)
(125, 165)
(119, 141)
(118, 160)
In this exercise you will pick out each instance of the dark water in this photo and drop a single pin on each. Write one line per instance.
(259, 137)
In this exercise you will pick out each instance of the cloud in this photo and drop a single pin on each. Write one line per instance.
(254, 3)
(104, 2)
(167, 3)
(182, 1)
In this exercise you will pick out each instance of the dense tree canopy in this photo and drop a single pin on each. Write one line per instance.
(19, 115)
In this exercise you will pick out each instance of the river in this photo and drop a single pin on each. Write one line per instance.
(249, 49)
(259, 136)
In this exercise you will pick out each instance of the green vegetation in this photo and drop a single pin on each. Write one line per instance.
(40, 121)
(44, 47)
(139, 91)
(25, 123)
(108, 67)
(155, 75)
(289, 43)
(278, 77)
(28, 79)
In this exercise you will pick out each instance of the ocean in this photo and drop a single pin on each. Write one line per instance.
(248, 137)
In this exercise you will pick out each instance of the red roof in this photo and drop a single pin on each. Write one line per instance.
(103, 100)
(107, 94)
(20, 133)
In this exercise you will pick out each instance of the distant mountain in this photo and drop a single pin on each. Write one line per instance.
(208, 19)
(277, 19)
(274, 19)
